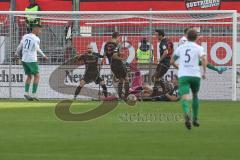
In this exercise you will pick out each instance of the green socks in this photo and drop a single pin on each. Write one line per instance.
(34, 89)
(195, 106)
(212, 67)
(185, 106)
(27, 86)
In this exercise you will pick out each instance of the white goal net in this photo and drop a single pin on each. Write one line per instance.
(67, 34)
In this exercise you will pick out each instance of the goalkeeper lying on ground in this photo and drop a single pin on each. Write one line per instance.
(145, 91)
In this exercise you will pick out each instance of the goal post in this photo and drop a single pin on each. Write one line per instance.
(61, 41)
(235, 55)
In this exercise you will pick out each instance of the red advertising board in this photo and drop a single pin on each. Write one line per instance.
(132, 5)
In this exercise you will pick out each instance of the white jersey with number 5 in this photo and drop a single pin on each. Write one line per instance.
(30, 46)
(189, 55)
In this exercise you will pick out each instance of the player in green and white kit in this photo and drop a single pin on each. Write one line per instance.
(183, 40)
(28, 49)
(189, 55)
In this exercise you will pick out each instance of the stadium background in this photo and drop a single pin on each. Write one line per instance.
(148, 131)
(56, 47)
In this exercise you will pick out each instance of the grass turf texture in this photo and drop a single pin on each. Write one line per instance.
(30, 130)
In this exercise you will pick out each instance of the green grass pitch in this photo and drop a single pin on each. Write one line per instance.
(31, 131)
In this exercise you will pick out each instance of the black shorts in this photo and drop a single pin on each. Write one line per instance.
(161, 70)
(119, 70)
(92, 77)
(161, 98)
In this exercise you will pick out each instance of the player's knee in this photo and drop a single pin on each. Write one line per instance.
(29, 77)
(36, 77)
(184, 97)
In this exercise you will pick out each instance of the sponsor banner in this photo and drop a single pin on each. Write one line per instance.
(202, 4)
(219, 49)
(214, 87)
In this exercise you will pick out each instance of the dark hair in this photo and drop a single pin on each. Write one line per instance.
(160, 32)
(192, 35)
(144, 46)
(144, 41)
(115, 34)
(186, 30)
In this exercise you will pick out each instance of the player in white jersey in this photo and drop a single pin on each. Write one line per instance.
(189, 55)
(183, 40)
(28, 49)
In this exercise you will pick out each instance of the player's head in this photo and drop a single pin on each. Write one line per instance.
(89, 49)
(159, 33)
(115, 35)
(175, 80)
(36, 29)
(144, 41)
(192, 35)
(144, 46)
(187, 29)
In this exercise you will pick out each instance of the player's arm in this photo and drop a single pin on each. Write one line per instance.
(171, 97)
(98, 55)
(164, 55)
(165, 51)
(203, 57)
(19, 50)
(105, 49)
(78, 59)
(40, 51)
(116, 56)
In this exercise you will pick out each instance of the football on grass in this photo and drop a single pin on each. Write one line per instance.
(131, 99)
